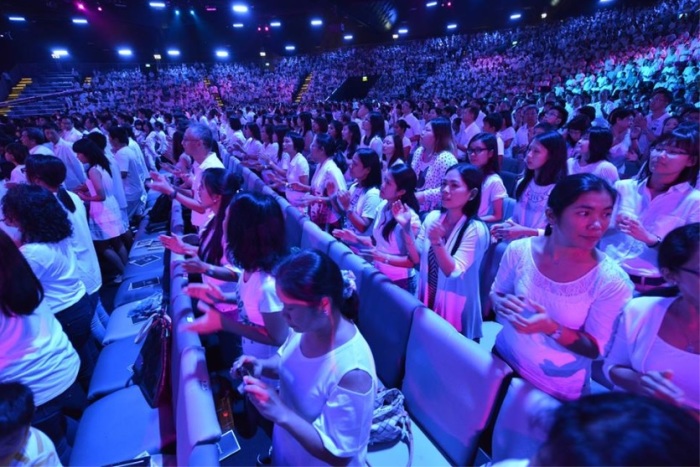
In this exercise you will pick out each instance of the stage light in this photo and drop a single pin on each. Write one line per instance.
(157, 56)
(515, 16)
(543, 15)
(125, 52)
(290, 48)
(237, 25)
(81, 6)
(431, 4)
(263, 54)
(174, 53)
(210, 8)
(395, 36)
(275, 24)
(347, 37)
(148, 65)
(238, 8)
(316, 22)
(192, 12)
(222, 53)
(58, 53)
(16, 18)
(99, 8)
(157, 4)
(452, 26)
(177, 12)
(267, 29)
(80, 21)
(403, 31)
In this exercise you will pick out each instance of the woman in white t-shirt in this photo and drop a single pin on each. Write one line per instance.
(17, 154)
(483, 153)
(276, 167)
(105, 220)
(392, 152)
(358, 204)
(656, 351)
(545, 165)
(34, 349)
(270, 148)
(255, 243)
(327, 380)
(387, 244)
(373, 127)
(216, 191)
(45, 232)
(297, 172)
(327, 180)
(557, 296)
(50, 172)
(592, 155)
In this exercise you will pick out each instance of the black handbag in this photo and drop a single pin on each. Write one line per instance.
(152, 366)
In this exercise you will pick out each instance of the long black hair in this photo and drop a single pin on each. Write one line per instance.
(36, 212)
(225, 184)
(405, 179)
(93, 154)
(553, 170)
(686, 139)
(20, 289)
(310, 275)
(570, 188)
(255, 232)
(370, 160)
(51, 171)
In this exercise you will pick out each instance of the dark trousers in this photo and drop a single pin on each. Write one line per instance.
(76, 321)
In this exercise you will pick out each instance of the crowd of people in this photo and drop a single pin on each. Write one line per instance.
(596, 243)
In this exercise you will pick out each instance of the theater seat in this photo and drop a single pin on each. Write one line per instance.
(523, 421)
(195, 417)
(313, 237)
(451, 385)
(294, 222)
(138, 287)
(114, 368)
(509, 180)
(121, 426)
(121, 325)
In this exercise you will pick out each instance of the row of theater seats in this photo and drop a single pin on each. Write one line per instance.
(119, 425)
(456, 390)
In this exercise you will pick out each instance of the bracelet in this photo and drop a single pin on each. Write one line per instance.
(556, 335)
(173, 195)
(210, 271)
(656, 243)
(386, 260)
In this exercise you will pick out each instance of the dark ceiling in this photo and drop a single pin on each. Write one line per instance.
(146, 30)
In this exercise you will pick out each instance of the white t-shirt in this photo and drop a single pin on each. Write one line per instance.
(133, 185)
(603, 169)
(362, 202)
(395, 244)
(529, 210)
(84, 249)
(54, 264)
(309, 387)
(327, 172)
(209, 162)
(637, 345)
(18, 175)
(491, 190)
(75, 174)
(591, 303)
(258, 296)
(298, 167)
(35, 351)
(38, 450)
(679, 206)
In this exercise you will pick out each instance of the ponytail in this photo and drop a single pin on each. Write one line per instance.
(65, 199)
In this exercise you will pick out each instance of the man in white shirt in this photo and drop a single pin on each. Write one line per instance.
(69, 133)
(414, 128)
(75, 174)
(526, 131)
(130, 172)
(197, 143)
(492, 123)
(471, 129)
(33, 139)
(653, 124)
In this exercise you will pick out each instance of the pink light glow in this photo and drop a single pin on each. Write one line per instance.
(81, 6)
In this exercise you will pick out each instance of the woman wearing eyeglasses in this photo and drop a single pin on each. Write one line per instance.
(656, 351)
(649, 208)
